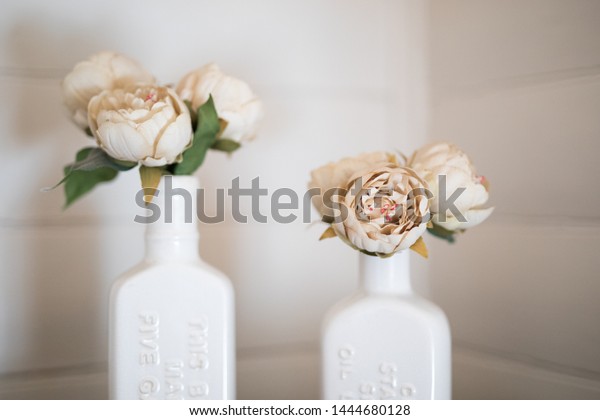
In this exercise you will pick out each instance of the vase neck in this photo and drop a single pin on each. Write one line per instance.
(173, 236)
(385, 275)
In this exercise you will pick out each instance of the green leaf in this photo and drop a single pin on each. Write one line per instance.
(226, 145)
(370, 254)
(442, 233)
(122, 165)
(193, 113)
(204, 137)
(80, 181)
(92, 166)
(91, 159)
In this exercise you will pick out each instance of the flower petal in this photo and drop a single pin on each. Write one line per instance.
(473, 218)
(123, 142)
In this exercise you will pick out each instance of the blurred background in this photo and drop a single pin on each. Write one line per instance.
(514, 83)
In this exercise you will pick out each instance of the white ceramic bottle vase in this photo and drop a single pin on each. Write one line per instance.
(385, 342)
(172, 316)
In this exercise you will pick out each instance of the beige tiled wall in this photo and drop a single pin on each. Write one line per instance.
(517, 85)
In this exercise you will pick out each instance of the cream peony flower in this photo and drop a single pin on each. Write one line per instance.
(106, 70)
(387, 210)
(145, 124)
(337, 175)
(237, 106)
(446, 159)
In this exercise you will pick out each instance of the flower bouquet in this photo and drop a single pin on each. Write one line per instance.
(385, 342)
(169, 310)
(136, 122)
(380, 206)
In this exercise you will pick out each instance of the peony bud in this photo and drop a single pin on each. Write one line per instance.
(237, 106)
(103, 71)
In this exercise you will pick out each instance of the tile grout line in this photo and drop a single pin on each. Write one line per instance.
(524, 82)
(527, 360)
